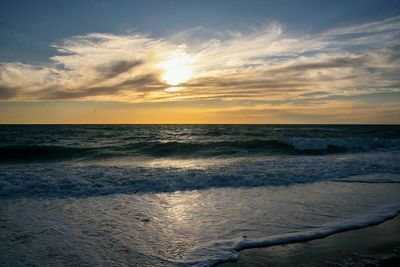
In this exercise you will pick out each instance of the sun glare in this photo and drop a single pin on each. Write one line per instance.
(177, 69)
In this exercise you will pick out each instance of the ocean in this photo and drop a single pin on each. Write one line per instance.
(187, 195)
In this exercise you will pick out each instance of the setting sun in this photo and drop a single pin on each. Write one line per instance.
(177, 69)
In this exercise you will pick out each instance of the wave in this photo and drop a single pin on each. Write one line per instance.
(284, 146)
(227, 250)
(82, 180)
(288, 145)
(342, 144)
(303, 146)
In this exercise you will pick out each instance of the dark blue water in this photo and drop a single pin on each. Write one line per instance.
(35, 143)
(80, 160)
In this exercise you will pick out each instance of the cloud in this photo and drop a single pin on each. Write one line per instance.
(143, 83)
(7, 92)
(265, 63)
(374, 27)
(334, 111)
(113, 69)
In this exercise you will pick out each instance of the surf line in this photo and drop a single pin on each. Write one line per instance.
(230, 248)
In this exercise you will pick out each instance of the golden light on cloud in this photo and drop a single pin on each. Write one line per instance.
(177, 70)
(246, 68)
(173, 89)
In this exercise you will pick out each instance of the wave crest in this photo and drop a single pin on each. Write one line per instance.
(202, 149)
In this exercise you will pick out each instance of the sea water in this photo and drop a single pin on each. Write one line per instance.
(187, 195)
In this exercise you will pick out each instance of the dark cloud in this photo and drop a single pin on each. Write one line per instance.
(341, 62)
(148, 82)
(7, 92)
(249, 85)
(113, 69)
(143, 83)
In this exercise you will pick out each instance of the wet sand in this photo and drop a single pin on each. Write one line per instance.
(372, 246)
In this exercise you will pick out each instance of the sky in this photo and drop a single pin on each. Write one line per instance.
(325, 62)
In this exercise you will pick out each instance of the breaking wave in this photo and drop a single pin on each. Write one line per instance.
(202, 149)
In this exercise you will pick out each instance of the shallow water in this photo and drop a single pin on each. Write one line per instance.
(196, 227)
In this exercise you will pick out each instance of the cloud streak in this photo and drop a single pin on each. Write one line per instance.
(266, 63)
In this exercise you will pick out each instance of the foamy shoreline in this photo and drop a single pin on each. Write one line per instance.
(374, 245)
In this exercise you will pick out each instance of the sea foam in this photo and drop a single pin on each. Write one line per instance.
(63, 180)
(227, 250)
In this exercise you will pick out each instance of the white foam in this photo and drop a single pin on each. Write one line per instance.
(62, 179)
(227, 250)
